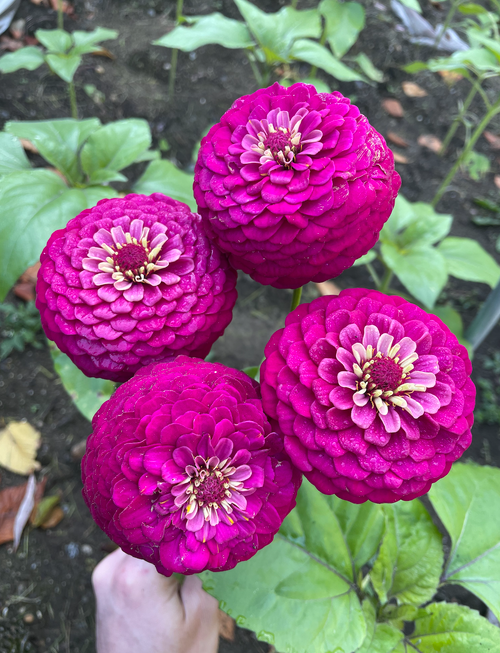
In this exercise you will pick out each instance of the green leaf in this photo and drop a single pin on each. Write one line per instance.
(164, 177)
(344, 22)
(55, 40)
(214, 28)
(148, 155)
(58, 141)
(478, 59)
(367, 258)
(368, 68)
(96, 193)
(30, 58)
(116, 145)
(467, 501)
(453, 321)
(452, 628)
(415, 223)
(410, 560)
(251, 371)
(380, 637)
(86, 41)
(105, 176)
(317, 55)
(466, 259)
(33, 204)
(396, 615)
(477, 165)
(343, 534)
(64, 65)
(415, 67)
(412, 4)
(421, 269)
(266, 594)
(87, 394)
(12, 156)
(319, 85)
(471, 8)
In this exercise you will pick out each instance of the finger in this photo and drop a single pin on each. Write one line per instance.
(107, 568)
(196, 600)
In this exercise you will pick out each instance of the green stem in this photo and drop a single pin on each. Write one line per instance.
(178, 13)
(314, 69)
(72, 100)
(386, 280)
(373, 274)
(294, 4)
(454, 125)
(171, 77)
(60, 16)
(297, 294)
(449, 16)
(466, 151)
(255, 69)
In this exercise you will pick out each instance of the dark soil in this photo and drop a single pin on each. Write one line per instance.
(46, 600)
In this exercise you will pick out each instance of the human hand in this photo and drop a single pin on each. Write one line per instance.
(139, 610)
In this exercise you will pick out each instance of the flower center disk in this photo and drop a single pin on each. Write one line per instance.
(386, 374)
(131, 258)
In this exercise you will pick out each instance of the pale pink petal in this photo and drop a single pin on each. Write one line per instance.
(118, 235)
(347, 380)
(391, 420)
(422, 378)
(413, 407)
(135, 229)
(360, 399)
(103, 237)
(406, 347)
(371, 336)
(103, 278)
(384, 343)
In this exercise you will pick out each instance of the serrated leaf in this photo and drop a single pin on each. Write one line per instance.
(267, 592)
(164, 177)
(27, 219)
(205, 30)
(452, 628)
(116, 145)
(380, 637)
(19, 442)
(85, 41)
(58, 141)
(408, 566)
(368, 68)
(421, 269)
(55, 40)
(87, 394)
(467, 501)
(12, 156)
(344, 22)
(466, 259)
(317, 55)
(30, 58)
(64, 65)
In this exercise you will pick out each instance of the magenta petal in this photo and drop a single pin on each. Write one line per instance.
(363, 416)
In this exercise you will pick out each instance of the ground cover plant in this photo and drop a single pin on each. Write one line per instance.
(340, 573)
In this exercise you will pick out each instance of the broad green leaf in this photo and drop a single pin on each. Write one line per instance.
(477, 165)
(33, 204)
(64, 65)
(344, 22)
(477, 36)
(478, 59)
(299, 24)
(116, 145)
(368, 68)
(342, 534)
(164, 177)
(466, 259)
(86, 41)
(413, 223)
(55, 40)
(251, 371)
(421, 269)
(367, 258)
(380, 637)
(412, 4)
(214, 28)
(87, 394)
(471, 8)
(452, 628)
(267, 594)
(318, 84)
(396, 615)
(105, 176)
(30, 58)
(453, 321)
(317, 55)
(12, 156)
(468, 503)
(58, 141)
(96, 193)
(410, 560)
(415, 67)
(148, 155)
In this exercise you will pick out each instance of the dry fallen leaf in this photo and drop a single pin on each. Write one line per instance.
(44, 510)
(19, 442)
(413, 90)
(103, 52)
(396, 139)
(10, 500)
(496, 179)
(78, 450)
(399, 158)
(53, 519)
(393, 107)
(430, 142)
(492, 139)
(9, 44)
(328, 288)
(28, 145)
(450, 77)
(25, 287)
(226, 626)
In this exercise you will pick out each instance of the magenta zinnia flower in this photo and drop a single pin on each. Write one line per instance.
(372, 394)
(294, 185)
(184, 470)
(133, 281)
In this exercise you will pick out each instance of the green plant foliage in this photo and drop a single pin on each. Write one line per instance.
(164, 177)
(344, 22)
(468, 503)
(19, 326)
(412, 4)
(319, 84)
(368, 68)
(380, 637)
(205, 30)
(488, 408)
(29, 58)
(317, 55)
(452, 628)
(453, 321)
(12, 156)
(466, 259)
(410, 560)
(87, 394)
(477, 165)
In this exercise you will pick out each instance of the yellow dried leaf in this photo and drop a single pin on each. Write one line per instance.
(19, 442)
(413, 90)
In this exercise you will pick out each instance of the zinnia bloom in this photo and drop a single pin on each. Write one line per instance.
(184, 470)
(133, 281)
(372, 394)
(294, 185)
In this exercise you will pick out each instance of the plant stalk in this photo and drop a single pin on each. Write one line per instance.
(486, 319)
(466, 151)
(297, 294)
(373, 274)
(386, 280)
(447, 21)
(175, 53)
(255, 70)
(72, 100)
(294, 4)
(322, 41)
(60, 15)
(455, 124)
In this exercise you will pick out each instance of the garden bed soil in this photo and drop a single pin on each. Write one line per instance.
(46, 600)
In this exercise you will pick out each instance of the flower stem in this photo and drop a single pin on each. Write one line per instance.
(297, 294)
(373, 274)
(72, 100)
(314, 69)
(447, 21)
(175, 53)
(454, 125)
(255, 69)
(386, 280)
(60, 16)
(466, 151)
(294, 4)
